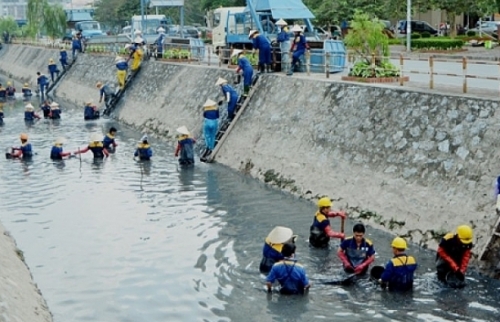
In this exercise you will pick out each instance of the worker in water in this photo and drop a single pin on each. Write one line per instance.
(185, 147)
(399, 271)
(291, 276)
(90, 112)
(25, 151)
(245, 66)
(76, 46)
(26, 90)
(109, 142)
(11, 90)
(262, 44)
(299, 47)
(321, 230)
(211, 123)
(57, 152)
(121, 71)
(29, 113)
(96, 146)
(45, 107)
(43, 83)
(273, 246)
(159, 42)
(230, 95)
(136, 54)
(284, 41)
(53, 70)
(55, 111)
(454, 253)
(63, 56)
(143, 150)
(3, 94)
(356, 252)
(105, 92)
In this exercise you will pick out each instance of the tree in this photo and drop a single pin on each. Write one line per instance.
(452, 8)
(107, 12)
(212, 4)
(8, 24)
(34, 16)
(54, 21)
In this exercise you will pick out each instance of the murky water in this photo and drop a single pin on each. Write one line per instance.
(127, 241)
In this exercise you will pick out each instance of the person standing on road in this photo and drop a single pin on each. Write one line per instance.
(230, 95)
(321, 230)
(211, 123)
(356, 252)
(159, 42)
(299, 46)
(261, 43)
(76, 46)
(284, 41)
(454, 253)
(245, 66)
(399, 271)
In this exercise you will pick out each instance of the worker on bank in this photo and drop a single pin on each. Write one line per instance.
(143, 150)
(299, 47)
(109, 141)
(45, 107)
(136, 54)
(139, 39)
(185, 147)
(273, 246)
(230, 95)
(42, 82)
(291, 276)
(159, 42)
(55, 111)
(10, 90)
(399, 271)
(245, 66)
(121, 71)
(29, 113)
(96, 146)
(26, 90)
(105, 93)
(25, 151)
(3, 93)
(53, 70)
(356, 252)
(57, 153)
(321, 230)
(210, 123)
(284, 41)
(454, 253)
(90, 112)
(262, 44)
(76, 46)
(63, 57)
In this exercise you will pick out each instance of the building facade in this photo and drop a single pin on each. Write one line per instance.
(17, 8)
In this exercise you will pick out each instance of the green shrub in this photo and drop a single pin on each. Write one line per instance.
(366, 70)
(437, 44)
(176, 54)
(395, 41)
(254, 59)
(425, 34)
(471, 33)
(415, 35)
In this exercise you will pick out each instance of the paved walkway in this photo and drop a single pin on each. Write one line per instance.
(473, 53)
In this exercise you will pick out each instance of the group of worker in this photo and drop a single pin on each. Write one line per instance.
(357, 253)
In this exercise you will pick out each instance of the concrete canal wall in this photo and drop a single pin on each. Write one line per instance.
(415, 163)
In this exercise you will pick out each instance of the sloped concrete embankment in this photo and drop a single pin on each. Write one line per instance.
(415, 163)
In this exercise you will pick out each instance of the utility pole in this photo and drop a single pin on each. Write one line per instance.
(408, 26)
(142, 16)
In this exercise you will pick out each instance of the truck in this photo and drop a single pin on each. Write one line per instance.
(80, 20)
(231, 26)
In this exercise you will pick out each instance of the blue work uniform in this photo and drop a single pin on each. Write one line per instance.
(55, 114)
(56, 153)
(231, 106)
(143, 151)
(300, 46)
(261, 43)
(357, 255)
(284, 41)
(3, 94)
(109, 141)
(210, 126)
(43, 83)
(63, 58)
(271, 254)
(186, 151)
(107, 92)
(26, 91)
(398, 273)
(29, 116)
(11, 91)
(26, 150)
(46, 110)
(96, 148)
(76, 45)
(245, 65)
(159, 44)
(53, 70)
(318, 237)
(90, 114)
(291, 276)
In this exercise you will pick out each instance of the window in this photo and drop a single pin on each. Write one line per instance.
(216, 19)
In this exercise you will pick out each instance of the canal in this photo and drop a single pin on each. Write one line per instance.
(127, 241)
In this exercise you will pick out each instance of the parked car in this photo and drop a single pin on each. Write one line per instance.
(488, 27)
(417, 26)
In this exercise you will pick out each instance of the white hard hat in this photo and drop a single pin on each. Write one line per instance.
(183, 130)
(296, 28)
(279, 235)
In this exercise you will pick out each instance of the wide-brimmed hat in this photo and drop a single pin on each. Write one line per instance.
(281, 22)
(144, 138)
(209, 103)
(95, 137)
(127, 46)
(236, 52)
(89, 102)
(51, 60)
(161, 29)
(26, 85)
(296, 28)
(98, 85)
(29, 107)
(279, 235)
(60, 140)
(137, 32)
(183, 130)
(221, 81)
(138, 40)
(252, 32)
(54, 105)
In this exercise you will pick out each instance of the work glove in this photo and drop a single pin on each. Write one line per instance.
(359, 269)
(340, 214)
(345, 260)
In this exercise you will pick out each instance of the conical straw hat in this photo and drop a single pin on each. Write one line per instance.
(279, 235)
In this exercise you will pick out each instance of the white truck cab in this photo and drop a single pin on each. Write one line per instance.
(218, 22)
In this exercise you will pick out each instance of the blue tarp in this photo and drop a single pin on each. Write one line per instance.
(283, 9)
(79, 16)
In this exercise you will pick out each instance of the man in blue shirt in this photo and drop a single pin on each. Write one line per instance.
(321, 230)
(230, 95)
(299, 46)
(245, 66)
(357, 252)
(399, 271)
(261, 43)
(43, 83)
(144, 151)
(284, 40)
(291, 276)
(273, 246)
(105, 92)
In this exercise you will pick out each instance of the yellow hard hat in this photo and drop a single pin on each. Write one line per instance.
(399, 243)
(9, 83)
(23, 136)
(324, 202)
(98, 85)
(465, 234)
(26, 85)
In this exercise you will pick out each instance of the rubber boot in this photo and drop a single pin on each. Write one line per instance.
(246, 90)
(269, 69)
(290, 71)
